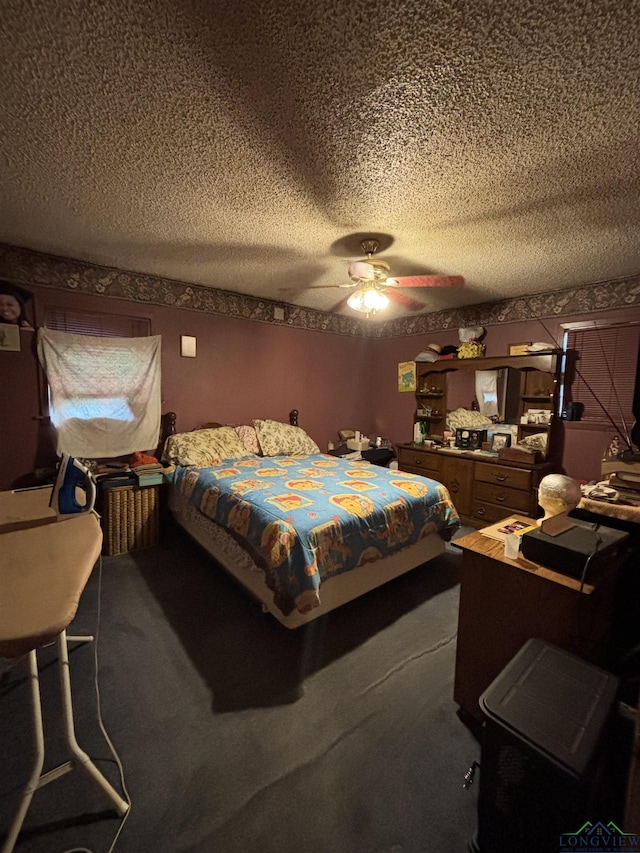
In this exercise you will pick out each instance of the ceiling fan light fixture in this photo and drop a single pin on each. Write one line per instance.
(368, 299)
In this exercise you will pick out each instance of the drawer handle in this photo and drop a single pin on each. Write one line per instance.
(481, 511)
(454, 486)
(417, 461)
(501, 498)
(499, 478)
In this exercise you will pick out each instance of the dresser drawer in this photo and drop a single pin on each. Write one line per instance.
(512, 478)
(417, 462)
(457, 476)
(489, 513)
(511, 499)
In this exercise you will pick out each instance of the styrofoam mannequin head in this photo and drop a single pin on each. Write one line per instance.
(558, 493)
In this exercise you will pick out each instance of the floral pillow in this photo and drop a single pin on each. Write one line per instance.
(249, 438)
(537, 441)
(203, 447)
(277, 439)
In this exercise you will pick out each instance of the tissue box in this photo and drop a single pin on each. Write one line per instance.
(358, 444)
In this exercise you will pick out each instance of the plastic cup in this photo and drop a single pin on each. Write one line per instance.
(512, 546)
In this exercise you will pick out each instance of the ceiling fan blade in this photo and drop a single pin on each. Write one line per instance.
(404, 300)
(350, 285)
(429, 281)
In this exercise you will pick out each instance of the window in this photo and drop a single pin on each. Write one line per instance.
(604, 379)
(103, 373)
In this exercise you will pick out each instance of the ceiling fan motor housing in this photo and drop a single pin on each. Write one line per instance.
(370, 247)
(369, 269)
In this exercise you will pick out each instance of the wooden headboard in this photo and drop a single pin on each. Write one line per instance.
(168, 427)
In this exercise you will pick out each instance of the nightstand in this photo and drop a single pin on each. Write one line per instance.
(380, 456)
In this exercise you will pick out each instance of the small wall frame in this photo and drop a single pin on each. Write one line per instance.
(9, 337)
(187, 346)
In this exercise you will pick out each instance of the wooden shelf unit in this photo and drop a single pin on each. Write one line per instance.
(532, 384)
(486, 489)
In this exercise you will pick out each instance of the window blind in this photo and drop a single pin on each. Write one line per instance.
(90, 323)
(605, 376)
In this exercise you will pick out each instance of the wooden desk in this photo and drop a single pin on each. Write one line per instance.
(504, 602)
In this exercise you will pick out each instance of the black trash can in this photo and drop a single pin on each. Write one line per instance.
(543, 752)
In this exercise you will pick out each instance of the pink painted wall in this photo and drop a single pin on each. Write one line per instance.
(242, 370)
(245, 369)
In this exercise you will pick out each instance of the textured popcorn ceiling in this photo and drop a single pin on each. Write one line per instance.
(239, 145)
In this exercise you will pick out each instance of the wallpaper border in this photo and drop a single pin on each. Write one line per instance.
(27, 267)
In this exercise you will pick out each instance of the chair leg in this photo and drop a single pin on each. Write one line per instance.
(78, 755)
(38, 737)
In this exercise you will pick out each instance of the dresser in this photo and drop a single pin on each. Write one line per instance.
(484, 489)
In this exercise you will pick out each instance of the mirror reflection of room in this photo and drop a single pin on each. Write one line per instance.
(494, 393)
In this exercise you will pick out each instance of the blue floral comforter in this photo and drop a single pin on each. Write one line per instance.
(307, 518)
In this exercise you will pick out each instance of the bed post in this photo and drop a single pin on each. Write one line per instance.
(167, 428)
(293, 417)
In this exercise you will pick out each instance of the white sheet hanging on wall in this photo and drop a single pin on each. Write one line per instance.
(487, 392)
(104, 392)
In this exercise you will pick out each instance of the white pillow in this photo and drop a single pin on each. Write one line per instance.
(536, 441)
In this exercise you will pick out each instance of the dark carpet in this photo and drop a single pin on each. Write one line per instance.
(238, 735)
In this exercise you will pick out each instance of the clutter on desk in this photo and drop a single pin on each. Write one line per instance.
(138, 469)
(619, 488)
(520, 453)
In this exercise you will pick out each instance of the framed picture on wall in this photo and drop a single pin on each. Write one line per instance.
(16, 306)
(9, 337)
(407, 376)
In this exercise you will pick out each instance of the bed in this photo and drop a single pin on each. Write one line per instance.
(302, 531)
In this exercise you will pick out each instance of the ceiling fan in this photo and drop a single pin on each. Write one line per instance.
(374, 286)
